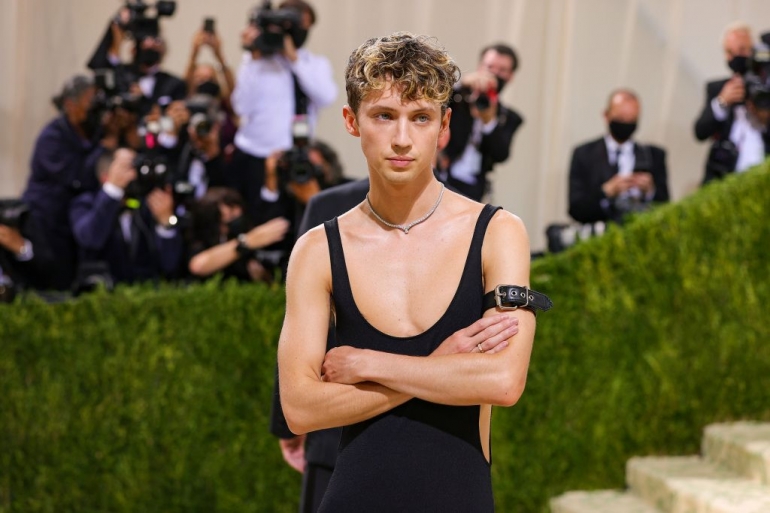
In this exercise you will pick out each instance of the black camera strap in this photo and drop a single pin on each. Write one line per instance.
(300, 98)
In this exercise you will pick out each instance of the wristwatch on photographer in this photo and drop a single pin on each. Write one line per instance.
(242, 248)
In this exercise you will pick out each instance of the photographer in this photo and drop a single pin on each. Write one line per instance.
(143, 76)
(615, 175)
(279, 82)
(223, 238)
(481, 127)
(25, 259)
(63, 165)
(205, 79)
(735, 116)
(137, 239)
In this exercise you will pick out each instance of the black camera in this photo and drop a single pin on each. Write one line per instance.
(12, 213)
(139, 24)
(295, 165)
(273, 25)
(204, 113)
(151, 173)
(757, 76)
(113, 90)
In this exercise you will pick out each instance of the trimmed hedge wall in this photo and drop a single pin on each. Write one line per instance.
(158, 400)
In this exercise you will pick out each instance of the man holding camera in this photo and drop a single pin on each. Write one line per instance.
(280, 88)
(138, 240)
(614, 175)
(63, 164)
(481, 127)
(142, 77)
(736, 115)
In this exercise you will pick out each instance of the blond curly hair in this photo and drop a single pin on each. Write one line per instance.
(415, 65)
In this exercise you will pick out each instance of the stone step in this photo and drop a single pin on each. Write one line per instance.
(693, 485)
(602, 501)
(743, 447)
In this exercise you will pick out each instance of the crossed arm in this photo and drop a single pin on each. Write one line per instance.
(349, 385)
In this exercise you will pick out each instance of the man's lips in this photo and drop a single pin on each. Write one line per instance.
(400, 161)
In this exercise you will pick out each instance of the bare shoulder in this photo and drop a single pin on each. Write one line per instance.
(507, 228)
(309, 260)
(505, 253)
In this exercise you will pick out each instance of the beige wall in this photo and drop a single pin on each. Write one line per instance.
(573, 53)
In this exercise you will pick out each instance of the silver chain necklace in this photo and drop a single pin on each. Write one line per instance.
(406, 227)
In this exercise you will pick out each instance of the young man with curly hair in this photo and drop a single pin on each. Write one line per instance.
(420, 360)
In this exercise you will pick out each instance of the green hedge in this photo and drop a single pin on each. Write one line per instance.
(158, 400)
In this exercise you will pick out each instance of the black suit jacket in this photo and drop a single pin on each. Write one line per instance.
(320, 446)
(590, 169)
(495, 147)
(708, 127)
(94, 220)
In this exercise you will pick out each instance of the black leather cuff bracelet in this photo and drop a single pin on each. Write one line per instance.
(511, 297)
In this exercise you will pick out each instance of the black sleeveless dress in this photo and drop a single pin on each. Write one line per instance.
(420, 456)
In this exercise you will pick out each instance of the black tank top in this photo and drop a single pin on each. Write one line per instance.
(419, 456)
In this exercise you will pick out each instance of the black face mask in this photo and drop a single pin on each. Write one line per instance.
(622, 132)
(739, 64)
(209, 88)
(299, 36)
(148, 57)
(500, 84)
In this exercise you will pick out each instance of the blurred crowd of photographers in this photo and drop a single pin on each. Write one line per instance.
(147, 176)
(144, 175)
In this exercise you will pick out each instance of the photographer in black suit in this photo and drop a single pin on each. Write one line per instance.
(737, 110)
(481, 127)
(614, 175)
(138, 240)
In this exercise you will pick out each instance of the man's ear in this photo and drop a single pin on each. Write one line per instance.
(444, 132)
(351, 124)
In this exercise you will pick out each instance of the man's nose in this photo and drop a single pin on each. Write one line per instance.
(402, 138)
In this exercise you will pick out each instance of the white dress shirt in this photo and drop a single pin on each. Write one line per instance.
(264, 99)
(744, 134)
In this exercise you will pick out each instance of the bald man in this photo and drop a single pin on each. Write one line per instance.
(615, 175)
(732, 123)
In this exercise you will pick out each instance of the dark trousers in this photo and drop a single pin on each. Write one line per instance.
(246, 174)
(315, 480)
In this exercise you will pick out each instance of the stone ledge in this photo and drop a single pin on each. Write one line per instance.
(602, 501)
(693, 485)
(743, 447)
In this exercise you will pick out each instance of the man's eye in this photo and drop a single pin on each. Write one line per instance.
(383, 115)
(423, 118)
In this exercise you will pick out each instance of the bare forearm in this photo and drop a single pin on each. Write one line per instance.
(316, 405)
(460, 379)
(214, 259)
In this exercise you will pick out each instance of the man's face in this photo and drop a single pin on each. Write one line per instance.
(77, 108)
(398, 138)
(737, 44)
(498, 64)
